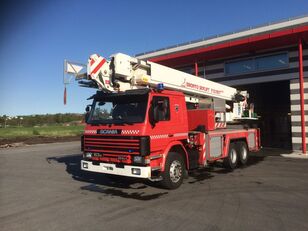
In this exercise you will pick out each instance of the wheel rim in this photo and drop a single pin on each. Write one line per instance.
(244, 153)
(175, 171)
(233, 156)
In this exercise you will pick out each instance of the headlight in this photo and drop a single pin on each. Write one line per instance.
(141, 160)
(137, 159)
(136, 171)
(88, 154)
(85, 165)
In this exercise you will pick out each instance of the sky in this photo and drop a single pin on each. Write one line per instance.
(37, 35)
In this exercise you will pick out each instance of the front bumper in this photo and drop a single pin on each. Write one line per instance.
(127, 170)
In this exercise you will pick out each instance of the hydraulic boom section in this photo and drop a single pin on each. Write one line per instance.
(124, 72)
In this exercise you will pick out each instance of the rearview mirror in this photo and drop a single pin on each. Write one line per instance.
(86, 116)
(152, 120)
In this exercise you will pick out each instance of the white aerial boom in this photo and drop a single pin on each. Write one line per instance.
(123, 72)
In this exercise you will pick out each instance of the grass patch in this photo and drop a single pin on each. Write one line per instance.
(47, 131)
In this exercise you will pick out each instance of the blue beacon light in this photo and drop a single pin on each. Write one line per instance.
(160, 86)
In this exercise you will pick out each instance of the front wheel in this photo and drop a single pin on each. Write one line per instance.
(230, 161)
(174, 171)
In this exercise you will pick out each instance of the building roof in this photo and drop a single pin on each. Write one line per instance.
(280, 33)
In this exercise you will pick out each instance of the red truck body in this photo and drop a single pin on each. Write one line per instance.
(144, 149)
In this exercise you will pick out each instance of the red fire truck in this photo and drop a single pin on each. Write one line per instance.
(154, 122)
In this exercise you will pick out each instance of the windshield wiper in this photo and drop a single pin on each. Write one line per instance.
(98, 123)
(123, 122)
(117, 122)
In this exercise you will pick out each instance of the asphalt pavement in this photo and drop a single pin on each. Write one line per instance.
(43, 188)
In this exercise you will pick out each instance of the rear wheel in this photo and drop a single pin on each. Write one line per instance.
(243, 152)
(230, 162)
(174, 171)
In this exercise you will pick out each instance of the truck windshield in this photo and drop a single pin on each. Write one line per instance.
(118, 110)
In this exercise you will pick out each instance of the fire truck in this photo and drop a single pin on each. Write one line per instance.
(150, 121)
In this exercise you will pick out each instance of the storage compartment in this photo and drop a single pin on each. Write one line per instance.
(201, 119)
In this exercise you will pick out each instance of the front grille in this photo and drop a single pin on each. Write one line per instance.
(112, 144)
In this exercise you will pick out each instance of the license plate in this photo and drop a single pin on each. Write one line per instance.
(108, 168)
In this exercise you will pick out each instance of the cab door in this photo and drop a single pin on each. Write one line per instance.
(167, 119)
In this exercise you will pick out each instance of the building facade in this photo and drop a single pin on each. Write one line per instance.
(269, 61)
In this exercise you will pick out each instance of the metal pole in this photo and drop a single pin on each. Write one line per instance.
(302, 96)
(204, 70)
(196, 69)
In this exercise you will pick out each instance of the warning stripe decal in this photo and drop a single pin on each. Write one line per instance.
(220, 125)
(163, 136)
(90, 132)
(130, 132)
(98, 66)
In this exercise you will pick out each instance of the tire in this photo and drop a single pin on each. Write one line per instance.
(174, 171)
(243, 152)
(231, 160)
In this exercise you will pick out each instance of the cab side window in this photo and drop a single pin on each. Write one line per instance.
(161, 108)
